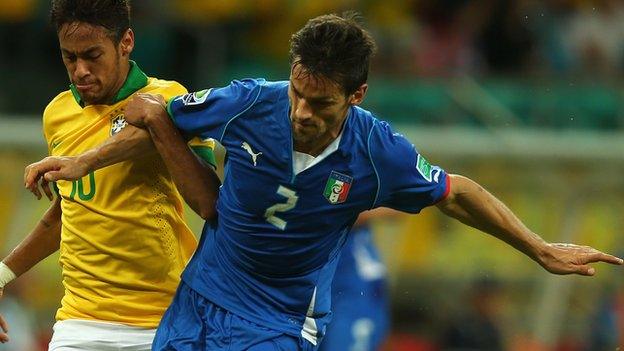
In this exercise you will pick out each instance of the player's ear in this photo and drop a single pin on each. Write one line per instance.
(126, 43)
(358, 96)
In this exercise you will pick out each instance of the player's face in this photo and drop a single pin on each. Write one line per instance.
(95, 64)
(318, 108)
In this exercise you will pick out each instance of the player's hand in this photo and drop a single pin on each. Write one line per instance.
(144, 107)
(4, 337)
(50, 169)
(573, 259)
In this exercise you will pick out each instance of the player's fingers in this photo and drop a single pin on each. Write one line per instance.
(34, 188)
(603, 257)
(4, 337)
(45, 185)
(585, 270)
(36, 170)
(26, 171)
(53, 176)
(3, 324)
(35, 192)
(30, 175)
(161, 99)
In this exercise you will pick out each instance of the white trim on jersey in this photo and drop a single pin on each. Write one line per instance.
(75, 334)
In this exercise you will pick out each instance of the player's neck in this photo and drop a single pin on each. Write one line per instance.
(125, 70)
(123, 76)
(314, 148)
(317, 146)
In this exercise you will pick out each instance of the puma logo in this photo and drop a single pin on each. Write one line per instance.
(254, 156)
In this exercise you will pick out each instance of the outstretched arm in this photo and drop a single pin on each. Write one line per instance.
(471, 204)
(43, 241)
(130, 142)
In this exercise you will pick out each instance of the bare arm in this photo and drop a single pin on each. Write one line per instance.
(43, 241)
(197, 182)
(131, 142)
(471, 204)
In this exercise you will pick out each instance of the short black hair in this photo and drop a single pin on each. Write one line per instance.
(113, 15)
(334, 47)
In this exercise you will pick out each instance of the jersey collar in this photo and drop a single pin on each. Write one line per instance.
(136, 80)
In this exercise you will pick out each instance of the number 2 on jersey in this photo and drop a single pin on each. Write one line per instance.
(291, 201)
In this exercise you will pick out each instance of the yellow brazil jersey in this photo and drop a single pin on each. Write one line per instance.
(124, 242)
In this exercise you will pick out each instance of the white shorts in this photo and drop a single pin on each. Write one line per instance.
(75, 334)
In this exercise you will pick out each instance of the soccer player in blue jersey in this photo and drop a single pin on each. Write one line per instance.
(303, 160)
(360, 301)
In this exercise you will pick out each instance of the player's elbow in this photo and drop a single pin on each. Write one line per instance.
(208, 215)
(207, 210)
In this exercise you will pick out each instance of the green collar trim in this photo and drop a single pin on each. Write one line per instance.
(136, 80)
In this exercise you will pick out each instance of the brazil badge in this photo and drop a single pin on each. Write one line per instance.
(337, 187)
(117, 124)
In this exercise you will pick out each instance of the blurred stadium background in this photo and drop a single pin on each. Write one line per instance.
(524, 96)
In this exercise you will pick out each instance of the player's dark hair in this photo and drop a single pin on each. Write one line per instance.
(113, 15)
(334, 47)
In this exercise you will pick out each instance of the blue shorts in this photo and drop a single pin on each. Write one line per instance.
(193, 323)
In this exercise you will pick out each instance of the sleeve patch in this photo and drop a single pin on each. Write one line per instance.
(424, 167)
(204, 148)
(196, 98)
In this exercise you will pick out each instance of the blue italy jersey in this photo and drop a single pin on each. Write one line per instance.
(271, 255)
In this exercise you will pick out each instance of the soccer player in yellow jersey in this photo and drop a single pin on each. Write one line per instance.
(121, 233)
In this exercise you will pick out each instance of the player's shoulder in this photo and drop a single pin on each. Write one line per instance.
(384, 142)
(364, 123)
(61, 99)
(250, 92)
(59, 104)
(278, 85)
(59, 110)
(259, 87)
(273, 92)
(167, 88)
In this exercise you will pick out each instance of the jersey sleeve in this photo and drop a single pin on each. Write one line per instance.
(172, 90)
(407, 181)
(206, 113)
(46, 134)
(204, 149)
(48, 123)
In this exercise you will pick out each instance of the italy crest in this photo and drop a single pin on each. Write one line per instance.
(337, 188)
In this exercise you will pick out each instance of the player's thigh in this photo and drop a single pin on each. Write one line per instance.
(183, 325)
(250, 336)
(284, 343)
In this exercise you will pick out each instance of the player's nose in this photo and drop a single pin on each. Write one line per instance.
(82, 69)
(303, 111)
